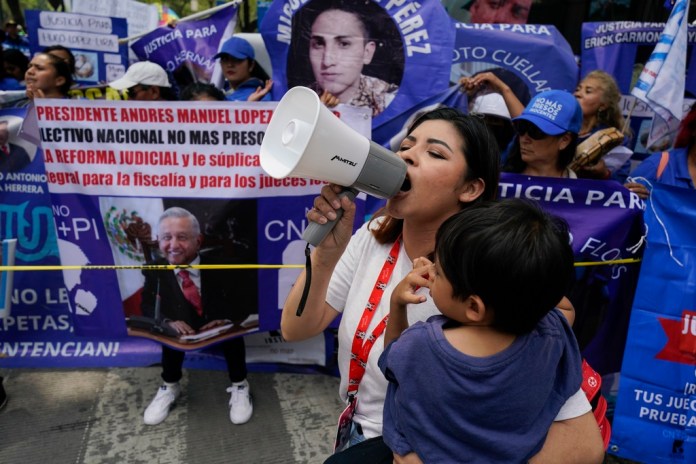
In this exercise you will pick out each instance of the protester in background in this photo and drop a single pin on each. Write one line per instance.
(489, 11)
(676, 167)
(194, 300)
(599, 97)
(145, 81)
(8, 82)
(199, 91)
(63, 53)
(246, 78)
(48, 77)
(499, 95)
(15, 64)
(483, 347)
(547, 132)
(452, 163)
(344, 38)
(13, 38)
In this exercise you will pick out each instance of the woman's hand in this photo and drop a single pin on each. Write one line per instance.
(325, 207)
(33, 93)
(261, 92)
(482, 80)
(599, 170)
(638, 188)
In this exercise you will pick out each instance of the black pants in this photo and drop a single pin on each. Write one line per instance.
(371, 451)
(233, 350)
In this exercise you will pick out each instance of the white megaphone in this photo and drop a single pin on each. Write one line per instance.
(305, 139)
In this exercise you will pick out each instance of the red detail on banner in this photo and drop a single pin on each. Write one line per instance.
(681, 339)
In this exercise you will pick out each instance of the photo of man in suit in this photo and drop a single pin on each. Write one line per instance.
(193, 300)
(12, 157)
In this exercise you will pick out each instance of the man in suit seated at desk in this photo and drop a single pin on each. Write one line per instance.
(192, 300)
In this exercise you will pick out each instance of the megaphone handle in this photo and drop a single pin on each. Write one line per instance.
(315, 232)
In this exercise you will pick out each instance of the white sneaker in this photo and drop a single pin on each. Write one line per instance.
(158, 410)
(240, 402)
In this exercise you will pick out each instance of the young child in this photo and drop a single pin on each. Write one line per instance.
(484, 381)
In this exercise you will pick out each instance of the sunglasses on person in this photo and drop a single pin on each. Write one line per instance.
(525, 127)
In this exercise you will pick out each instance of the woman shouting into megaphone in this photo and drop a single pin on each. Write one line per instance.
(452, 163)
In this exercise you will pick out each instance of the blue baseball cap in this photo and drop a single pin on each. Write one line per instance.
(237, 48)
(554, 112)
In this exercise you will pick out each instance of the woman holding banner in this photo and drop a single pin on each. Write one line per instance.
(452, 163)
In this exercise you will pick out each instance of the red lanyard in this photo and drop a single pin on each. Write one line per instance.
(362, 343)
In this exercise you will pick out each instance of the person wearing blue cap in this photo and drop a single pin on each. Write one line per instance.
(547, 133)
(246, 79)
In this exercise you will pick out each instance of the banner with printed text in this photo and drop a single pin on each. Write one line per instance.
(93, 40)
(186, 51)
(111, 177)
(621, 48)
(529, 58)
(383, 55)
(655, 416)
(39, 331)
(602, 294)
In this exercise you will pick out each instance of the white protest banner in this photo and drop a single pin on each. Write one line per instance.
(113, 166)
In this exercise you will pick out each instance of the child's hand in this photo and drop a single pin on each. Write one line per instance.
(405, 291)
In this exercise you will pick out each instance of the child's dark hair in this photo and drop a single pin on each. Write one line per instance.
(513, 255)
(197, 89)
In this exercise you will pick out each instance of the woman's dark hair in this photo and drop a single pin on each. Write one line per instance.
(196, 89)
(481, 155)
(60, 48)
(62, 70)
(515, 163)
(513, 245)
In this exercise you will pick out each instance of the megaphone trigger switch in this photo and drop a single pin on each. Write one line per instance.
(289, 132)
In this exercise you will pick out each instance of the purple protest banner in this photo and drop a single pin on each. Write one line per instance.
(621, 48)
(531, 58)
(186, 51)
(399, 53)
(605, 221)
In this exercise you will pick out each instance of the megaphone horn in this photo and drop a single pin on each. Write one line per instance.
(305, 139)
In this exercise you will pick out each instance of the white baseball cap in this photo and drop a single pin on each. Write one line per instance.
(142, 72)
(491, 103)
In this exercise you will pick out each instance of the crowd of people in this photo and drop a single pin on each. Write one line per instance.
(417, 288)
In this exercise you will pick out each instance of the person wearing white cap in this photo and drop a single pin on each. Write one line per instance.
(246, 79)
(145, 81)
(496, 116)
